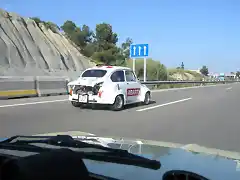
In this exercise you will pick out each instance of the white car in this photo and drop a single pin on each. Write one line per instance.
(110, 85)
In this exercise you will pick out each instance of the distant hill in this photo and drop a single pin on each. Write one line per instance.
(157, 71)
(180, 74)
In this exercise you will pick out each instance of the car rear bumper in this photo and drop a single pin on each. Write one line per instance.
(90, 99)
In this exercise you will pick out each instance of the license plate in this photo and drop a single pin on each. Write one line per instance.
(82, 98)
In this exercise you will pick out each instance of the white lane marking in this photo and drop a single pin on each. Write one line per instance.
(32, 103)
(229, 88)
(194, 87)
(165, 104)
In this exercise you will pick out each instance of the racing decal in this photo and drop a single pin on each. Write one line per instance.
(133, 91)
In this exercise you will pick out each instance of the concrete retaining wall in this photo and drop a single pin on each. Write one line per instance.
(13, 87)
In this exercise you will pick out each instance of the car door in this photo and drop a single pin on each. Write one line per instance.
(133, 87)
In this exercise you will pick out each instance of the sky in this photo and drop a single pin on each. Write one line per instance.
(195, 32)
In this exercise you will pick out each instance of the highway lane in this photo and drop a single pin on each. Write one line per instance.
(206, 116)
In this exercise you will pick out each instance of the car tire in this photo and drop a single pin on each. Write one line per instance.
(118, 103)
(147, 98)
(76, 104)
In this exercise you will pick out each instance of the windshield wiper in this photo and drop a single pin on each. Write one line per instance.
(106, 154)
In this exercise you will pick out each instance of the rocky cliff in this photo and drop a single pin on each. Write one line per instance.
(30, 49)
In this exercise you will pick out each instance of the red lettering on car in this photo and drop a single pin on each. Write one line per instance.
(133, 91)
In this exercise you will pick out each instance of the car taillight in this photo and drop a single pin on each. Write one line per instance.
(100, 93)
(70, 91)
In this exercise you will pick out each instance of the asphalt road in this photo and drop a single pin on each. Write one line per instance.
(208, 116)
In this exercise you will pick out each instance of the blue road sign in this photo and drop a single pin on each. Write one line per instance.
(138, 50)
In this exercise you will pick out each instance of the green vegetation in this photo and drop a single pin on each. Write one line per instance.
(168, 86)
(182, 66)
(238, 74)
(100, 45)
(186, 74)
(155, 70)
(204, 70)
(48, 25)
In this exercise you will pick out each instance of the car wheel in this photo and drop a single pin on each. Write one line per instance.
(118, 103)
(147, 98)
(76, 104)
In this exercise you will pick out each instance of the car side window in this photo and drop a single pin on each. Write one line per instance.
(130, 77)
(118, 76)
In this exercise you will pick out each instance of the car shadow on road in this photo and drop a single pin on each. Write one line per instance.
(107, 108)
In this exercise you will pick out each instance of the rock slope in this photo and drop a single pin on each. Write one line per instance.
(28, 49)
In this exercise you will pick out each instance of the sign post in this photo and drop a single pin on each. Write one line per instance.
(137, 51)
(134, 62)
(145, 69)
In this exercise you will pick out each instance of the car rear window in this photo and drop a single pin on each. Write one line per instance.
(94, 73)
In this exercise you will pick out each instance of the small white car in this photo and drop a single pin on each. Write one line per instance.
(110, 85)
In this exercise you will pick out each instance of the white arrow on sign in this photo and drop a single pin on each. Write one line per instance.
(134, 50)
(145, 50)
(139, 50)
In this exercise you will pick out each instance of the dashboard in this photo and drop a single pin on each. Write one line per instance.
(12, 168)
(182, 175)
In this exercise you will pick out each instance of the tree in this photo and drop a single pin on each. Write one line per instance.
(69, 27)
(87, 34)
(238, 74)
(124, 52)
(101, 45)
(89, 49)
(126, 47)
(37, 20)
(107, 57)
(80, 36)
(204, 70)
(182, 66)
(104, 33)
(105, 40)
(105, 37)
(49, 25)
(155, 70)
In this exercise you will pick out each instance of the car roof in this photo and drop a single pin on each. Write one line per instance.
(110, 68)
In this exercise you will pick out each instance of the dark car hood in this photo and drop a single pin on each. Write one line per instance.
(211, 163)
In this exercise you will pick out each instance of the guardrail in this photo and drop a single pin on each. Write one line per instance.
(33, 86)
(187, 82)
